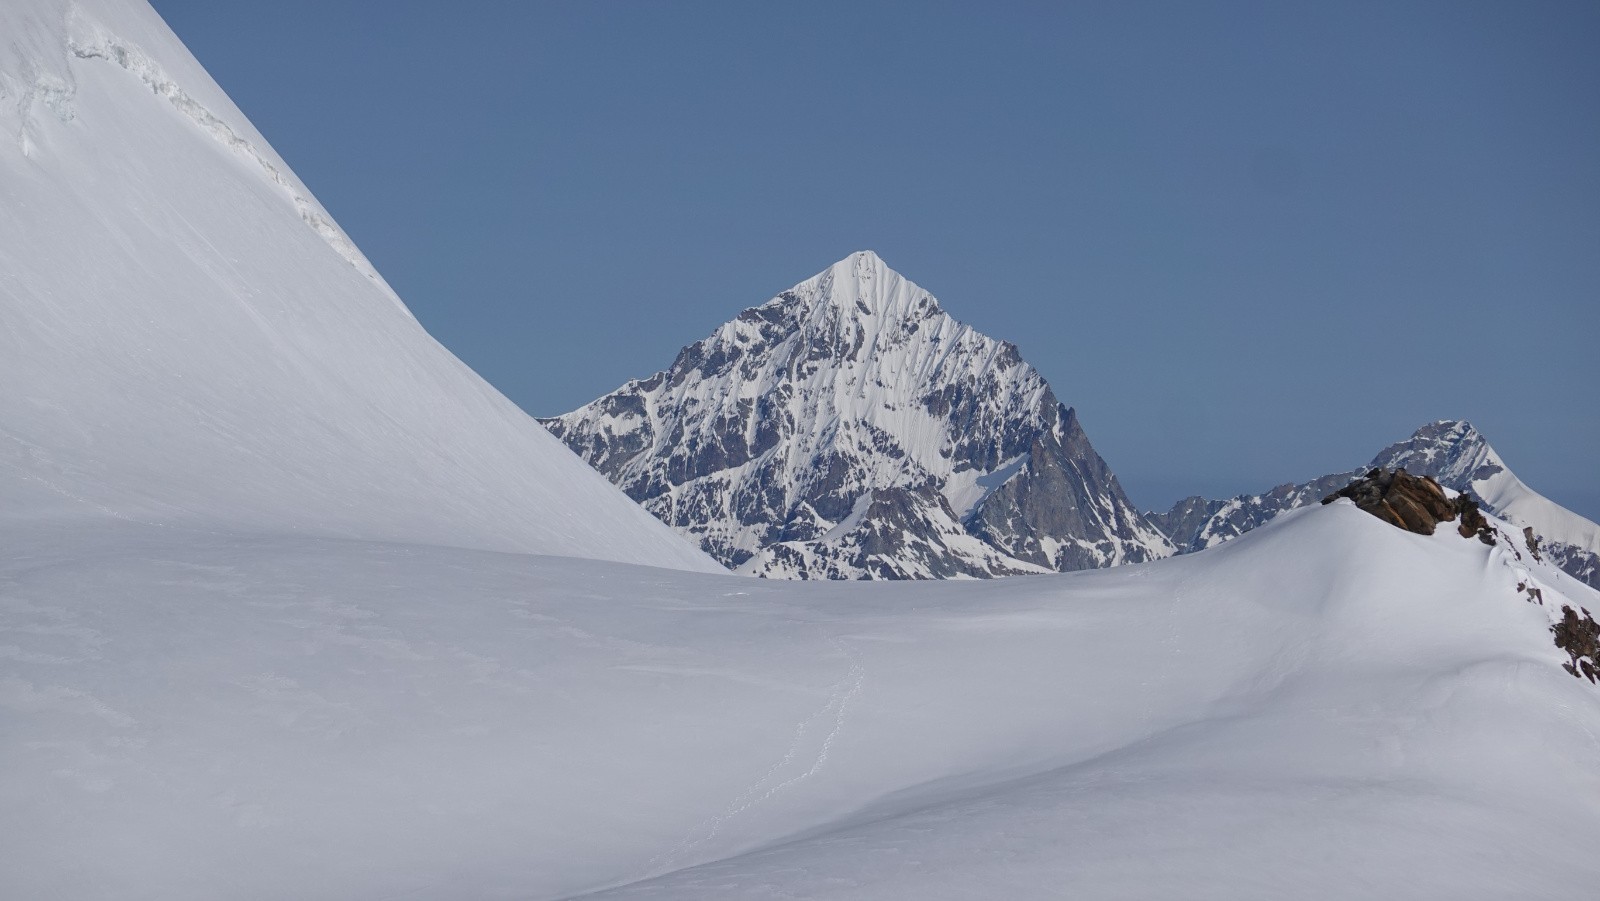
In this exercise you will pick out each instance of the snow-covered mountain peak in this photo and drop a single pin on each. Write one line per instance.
(861, 274)
(1459, 456)
(852, 392)
(1449, 449)
(860, 287)
(1452, 452)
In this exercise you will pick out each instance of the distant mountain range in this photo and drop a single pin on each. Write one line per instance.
(849, 428)
(1451, 451)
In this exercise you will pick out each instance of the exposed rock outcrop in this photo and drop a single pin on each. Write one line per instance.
(1472, 520)
(1579, 635)
(1419, 504)
(1400, 499)
(1453, 454)
(1414, 503)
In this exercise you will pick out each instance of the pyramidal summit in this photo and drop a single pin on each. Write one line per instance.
(850, 428)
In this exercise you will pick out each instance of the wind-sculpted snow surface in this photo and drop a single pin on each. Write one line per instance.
(1328, 707)
(1453, 453)
(188, 340)
(850, 428)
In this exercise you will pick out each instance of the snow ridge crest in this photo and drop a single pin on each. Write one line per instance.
(90, 41)
(1452, 452)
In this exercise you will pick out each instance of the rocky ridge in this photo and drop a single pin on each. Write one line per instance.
(1416, 504)
(1453, 454)
(850, 428)
(1419, 504)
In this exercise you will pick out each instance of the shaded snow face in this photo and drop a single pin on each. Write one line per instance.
(188, 339)
(850, 428)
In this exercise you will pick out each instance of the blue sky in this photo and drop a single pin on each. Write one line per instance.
(1251, 243)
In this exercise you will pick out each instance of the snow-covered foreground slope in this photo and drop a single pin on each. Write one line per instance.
(1325, 707)
(186, 337)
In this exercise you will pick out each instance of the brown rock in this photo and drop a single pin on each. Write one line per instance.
(1472, 520)
(1579, 636)
(1533, 542)
(1409, 502)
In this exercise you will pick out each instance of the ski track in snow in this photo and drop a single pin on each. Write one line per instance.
(762, 790)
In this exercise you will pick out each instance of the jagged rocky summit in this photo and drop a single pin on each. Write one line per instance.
(850, 428)
(1450, 452)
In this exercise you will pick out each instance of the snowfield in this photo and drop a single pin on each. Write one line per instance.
(294, 605)
(1326, 707)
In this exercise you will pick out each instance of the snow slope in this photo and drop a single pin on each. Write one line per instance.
(188, 339)
(1327, 707)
